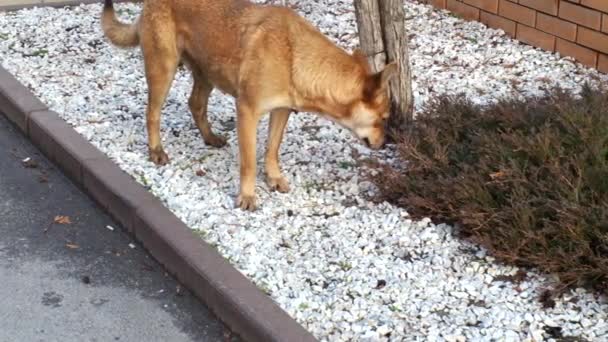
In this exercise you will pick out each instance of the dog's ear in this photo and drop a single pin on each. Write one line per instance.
(357, 52)
(373, 86)
(360, 56)
(390, 71)
(378, 82)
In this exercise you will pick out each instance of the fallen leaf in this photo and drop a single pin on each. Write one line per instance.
(546, 299)
(200, 173)
(29, 163)
(496, 175)
(147, 267)
(62, 219)
(381, 284)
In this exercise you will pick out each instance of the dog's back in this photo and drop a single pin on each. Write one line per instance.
(215, 36)
(228, 38)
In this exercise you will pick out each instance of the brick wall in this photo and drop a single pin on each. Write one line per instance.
(576, 28)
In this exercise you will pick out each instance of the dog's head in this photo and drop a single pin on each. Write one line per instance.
(370, 110)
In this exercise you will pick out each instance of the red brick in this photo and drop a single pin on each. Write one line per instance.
(601, 5)
(486, 5)
(517, 13)
(581, 54)
(547, 6)
(602, 63)
(605, 23)
(592, 39)
(497, 22)
(556, 26)
(439, 3)
(580, 15)
(464, 10)
(535, 37)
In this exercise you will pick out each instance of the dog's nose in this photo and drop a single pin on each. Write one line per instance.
(367, 143)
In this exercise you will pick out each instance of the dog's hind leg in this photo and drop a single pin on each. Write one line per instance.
(198, 106)
(161, 58)
(274, 178)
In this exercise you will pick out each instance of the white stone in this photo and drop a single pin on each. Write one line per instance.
(323, 262)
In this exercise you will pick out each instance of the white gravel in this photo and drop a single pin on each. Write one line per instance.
(343, 267)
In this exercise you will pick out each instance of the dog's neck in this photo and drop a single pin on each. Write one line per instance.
(335, 84)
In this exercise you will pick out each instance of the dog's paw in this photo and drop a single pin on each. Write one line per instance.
(279, 184)
(246, 202)
(215, 140)
(159, 157)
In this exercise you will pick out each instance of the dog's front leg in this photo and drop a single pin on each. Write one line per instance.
(247, 122)
(274, 177)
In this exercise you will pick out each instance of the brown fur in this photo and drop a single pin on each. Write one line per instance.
(268, 58)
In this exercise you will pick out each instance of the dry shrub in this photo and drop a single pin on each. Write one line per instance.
(527, 179)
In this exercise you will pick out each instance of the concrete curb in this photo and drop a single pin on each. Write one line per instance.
(229, 294)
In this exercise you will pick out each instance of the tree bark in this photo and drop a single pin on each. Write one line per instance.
(383, 38)
(370, 32)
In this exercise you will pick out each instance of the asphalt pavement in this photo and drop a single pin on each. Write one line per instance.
(69, 273)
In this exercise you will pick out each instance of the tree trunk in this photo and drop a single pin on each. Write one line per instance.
(383, 39)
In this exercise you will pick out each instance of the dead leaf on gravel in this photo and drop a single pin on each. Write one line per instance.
(29, 163)
(60, 219)
(497, 175)
(72, 246)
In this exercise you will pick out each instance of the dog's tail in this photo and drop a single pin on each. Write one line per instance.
(120, 34)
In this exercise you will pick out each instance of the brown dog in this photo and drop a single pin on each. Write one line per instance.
(268, 58)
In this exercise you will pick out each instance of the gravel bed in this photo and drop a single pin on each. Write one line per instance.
(345, 268)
